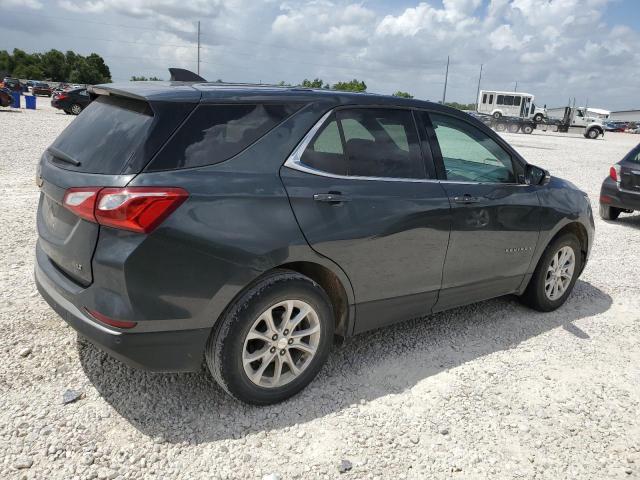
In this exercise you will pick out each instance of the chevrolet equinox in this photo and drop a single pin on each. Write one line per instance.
(249, 226)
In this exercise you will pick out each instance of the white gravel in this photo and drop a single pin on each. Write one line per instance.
(492, 390)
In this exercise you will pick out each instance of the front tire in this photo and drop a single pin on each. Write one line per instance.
(273, 340)
(538, 117)
(608, 212)
(555, 274)
(497, 115)
(592, 133)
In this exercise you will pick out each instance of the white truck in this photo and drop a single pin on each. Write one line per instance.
(509, 104)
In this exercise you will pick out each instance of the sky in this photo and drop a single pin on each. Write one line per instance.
(554, 49)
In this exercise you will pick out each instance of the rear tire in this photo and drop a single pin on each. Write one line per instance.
(513, 128)
(245, 331)
(497, 115)
(501, 127)
(528, 129)
(540, 294)
(608, 212)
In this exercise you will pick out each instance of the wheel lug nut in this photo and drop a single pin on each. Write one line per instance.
(290, 341)
(275, 337)
(286, 332)
(273, 349)
(283, 351)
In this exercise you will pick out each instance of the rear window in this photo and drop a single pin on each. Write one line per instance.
(215, 133)
(105, 136)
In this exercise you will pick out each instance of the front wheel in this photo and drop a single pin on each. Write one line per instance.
(607, 212)
(273, 340)
(497, 115)
(538, 117)
(555, 275)
(592, 133)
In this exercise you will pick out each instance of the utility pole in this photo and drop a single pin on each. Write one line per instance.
(198, 47)
(515, 89)
(446, 77)
(478, 92)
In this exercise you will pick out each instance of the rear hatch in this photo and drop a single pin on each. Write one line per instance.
(106, 146)
(630, 171)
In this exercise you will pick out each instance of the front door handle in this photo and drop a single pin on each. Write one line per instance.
(331, 197)
(465, 199)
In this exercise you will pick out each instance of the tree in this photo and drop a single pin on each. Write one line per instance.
(461, 106)
(282, 83)
(56, 66)
(352, 86)
(402, 94)
(315, 83)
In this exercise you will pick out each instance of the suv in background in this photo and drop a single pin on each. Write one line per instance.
(249, 225)
(40, 88)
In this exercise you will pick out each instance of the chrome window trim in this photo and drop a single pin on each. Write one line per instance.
(294, 162)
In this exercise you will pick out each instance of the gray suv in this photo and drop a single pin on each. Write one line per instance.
(251, 226)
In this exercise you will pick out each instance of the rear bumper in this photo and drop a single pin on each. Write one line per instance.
(611, 195)
(165, 351)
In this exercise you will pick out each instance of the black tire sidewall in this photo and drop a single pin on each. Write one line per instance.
(608, 212)
(536, 289)
(225, 348)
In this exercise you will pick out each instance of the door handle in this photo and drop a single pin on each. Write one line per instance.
(465, 199)
(331, 197)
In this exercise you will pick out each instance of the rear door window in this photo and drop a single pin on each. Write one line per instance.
(215, 133)
(105, 136)
(325, 152)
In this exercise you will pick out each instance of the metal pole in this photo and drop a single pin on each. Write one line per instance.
(446, 77)
(198, 47)
(478, 92)
(516, 87)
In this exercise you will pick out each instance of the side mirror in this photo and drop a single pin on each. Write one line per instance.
(536, 176)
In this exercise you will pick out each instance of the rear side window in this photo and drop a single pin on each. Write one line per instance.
(378, 142)
(500, 100)
(105, 136)
(215, 133)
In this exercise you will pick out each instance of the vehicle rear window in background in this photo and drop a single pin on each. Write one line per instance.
(215, 133)
(105, 136)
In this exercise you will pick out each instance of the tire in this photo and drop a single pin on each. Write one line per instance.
(229, 346)
(528, 129)
(497, 115)
(538, 117)
(536, 295)
(501, 127)
(76, 109)
(592, 133)
(608, 212)
(513, 128)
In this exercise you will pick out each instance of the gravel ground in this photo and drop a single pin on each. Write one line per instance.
(491, 390)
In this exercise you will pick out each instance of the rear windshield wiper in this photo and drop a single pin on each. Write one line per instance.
(63, 157)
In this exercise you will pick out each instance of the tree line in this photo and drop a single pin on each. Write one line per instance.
(55, 66)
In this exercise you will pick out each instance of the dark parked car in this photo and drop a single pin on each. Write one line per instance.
(71, 101)
(13, 84)
(5, 97)
(40, 88)
(620, 192)
(251, 225)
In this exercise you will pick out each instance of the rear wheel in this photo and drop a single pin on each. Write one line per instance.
(273, 340)
(497, 115)
(76, 109)
(513, 128)
(555, 275)
(501, 127)
(608, 212)
(528, 129)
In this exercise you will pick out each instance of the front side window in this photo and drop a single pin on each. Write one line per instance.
(500, 100)
(470, 155)
(484, 98)
(491, 98)
(377, 143)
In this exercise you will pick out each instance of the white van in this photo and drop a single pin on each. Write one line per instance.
(509, 104)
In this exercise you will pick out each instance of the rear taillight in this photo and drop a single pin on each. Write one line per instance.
(614, 173)
(61, 96)
(138, 209)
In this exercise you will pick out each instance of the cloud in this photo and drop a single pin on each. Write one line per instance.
(553, 48)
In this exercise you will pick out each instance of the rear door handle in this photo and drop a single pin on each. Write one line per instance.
(335, 197)
(466, 199)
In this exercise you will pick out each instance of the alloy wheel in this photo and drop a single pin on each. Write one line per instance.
(76, 109)
(281, 343)
(559, 273)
